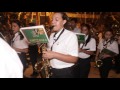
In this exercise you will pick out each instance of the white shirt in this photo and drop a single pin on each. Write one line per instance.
(66, 44)
(17, 43)
(10, 64)
(113, 46)
(91, 46)
(77, 30)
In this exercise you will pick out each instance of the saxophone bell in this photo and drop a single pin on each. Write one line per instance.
(99, 63)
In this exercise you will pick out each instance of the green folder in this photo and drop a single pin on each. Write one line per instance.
(35, 34)
(109, 52)
(81, 37)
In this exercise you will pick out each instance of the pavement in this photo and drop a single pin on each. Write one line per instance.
(94, 73)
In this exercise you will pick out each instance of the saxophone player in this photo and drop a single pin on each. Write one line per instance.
(63, 48)
(106, 43)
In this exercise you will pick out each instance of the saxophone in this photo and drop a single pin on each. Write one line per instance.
(42, 67)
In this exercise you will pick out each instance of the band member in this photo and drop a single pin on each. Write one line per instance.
(86, 49)
(63, 48)
(10, 64)
(74, 25)
(109, 43)
(19, 43)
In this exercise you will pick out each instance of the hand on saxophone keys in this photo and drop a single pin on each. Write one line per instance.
(48, 54)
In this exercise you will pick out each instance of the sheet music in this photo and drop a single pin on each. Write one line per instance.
(35, 34)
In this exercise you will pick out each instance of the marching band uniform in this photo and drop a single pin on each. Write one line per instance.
(84, 59)
(107, 62)
(66, 44)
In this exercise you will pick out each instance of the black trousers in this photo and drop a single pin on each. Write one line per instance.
(63, 73)
(83, 68)
(117, 64)
(106, 67)
(22, 57)
(117, 61)
(33, 52)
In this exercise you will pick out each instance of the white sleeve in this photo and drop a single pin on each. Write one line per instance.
(115, 47)
(24, 43)
(92, 45)
(72, 45)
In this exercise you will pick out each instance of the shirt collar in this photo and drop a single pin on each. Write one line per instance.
(58, 33)
(86, 37)
(107, 40)
(16, 34)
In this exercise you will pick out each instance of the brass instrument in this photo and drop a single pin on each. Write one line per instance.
(43, 67)
(99, 62)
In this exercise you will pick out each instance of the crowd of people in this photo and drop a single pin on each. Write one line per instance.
(68, 58)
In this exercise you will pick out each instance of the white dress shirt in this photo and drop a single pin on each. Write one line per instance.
(66, 44)
(91, 46)
(17, 43)
(10, 64)
(111, 46)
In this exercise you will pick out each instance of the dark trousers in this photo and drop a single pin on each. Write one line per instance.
(22, 57)
(106, 67)
(117, 64)
(117, 61)
(63, 73)
(83, 68)
(33, 52)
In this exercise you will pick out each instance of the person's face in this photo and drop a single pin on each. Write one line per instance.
(84, 30)
(58, 22)
(73, 24)
(108, 35)
(15, 27)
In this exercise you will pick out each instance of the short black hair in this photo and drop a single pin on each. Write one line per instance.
(64, 16)
(89, 36)
(74, 19)
(85, 25)
(18, 22)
